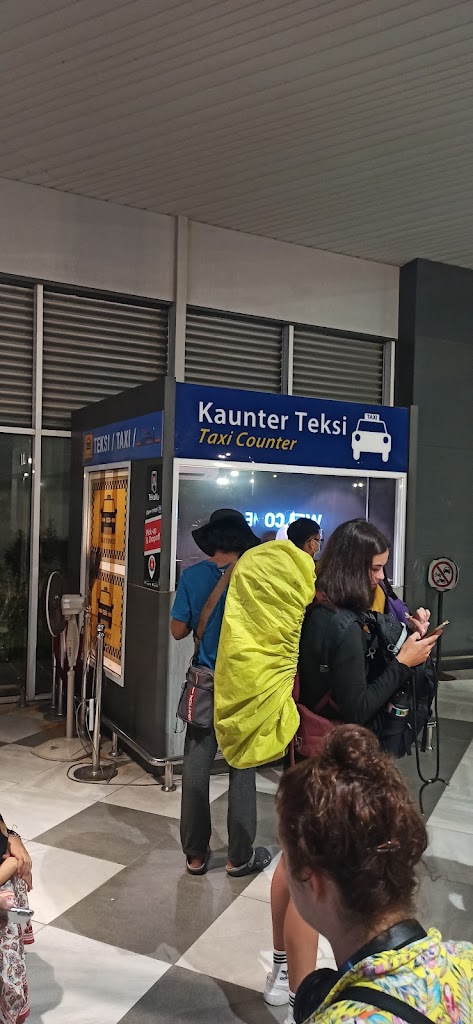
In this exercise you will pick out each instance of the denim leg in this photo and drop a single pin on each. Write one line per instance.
(199, 754)
(241, 815)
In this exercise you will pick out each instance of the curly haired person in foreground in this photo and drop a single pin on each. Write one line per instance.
(352, 840)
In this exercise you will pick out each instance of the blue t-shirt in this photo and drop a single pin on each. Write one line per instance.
(195, 587)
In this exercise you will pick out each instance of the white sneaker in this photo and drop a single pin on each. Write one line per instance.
(276, 991)
(290, 1018)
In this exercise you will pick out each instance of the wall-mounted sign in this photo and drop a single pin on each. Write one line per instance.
(249, 426)
(139, 438)
(443, 574)
(152, 527)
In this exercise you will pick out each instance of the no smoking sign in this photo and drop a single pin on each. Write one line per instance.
(443, 574)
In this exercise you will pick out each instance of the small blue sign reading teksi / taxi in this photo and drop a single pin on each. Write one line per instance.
(251, 426)
(139, 438)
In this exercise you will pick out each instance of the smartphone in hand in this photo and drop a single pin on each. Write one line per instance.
(18, 915)
(438, 630)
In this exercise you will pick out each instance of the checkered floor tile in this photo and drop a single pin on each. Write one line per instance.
(125, 936)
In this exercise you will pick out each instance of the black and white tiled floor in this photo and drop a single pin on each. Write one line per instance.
(124, 936)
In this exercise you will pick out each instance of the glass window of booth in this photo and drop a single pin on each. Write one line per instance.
(270, 500)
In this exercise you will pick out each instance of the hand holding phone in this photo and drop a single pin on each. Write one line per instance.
(416, 649)
(19, 915)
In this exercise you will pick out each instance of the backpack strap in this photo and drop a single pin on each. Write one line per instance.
(382, 1001)
(209, 606)
(375, 623)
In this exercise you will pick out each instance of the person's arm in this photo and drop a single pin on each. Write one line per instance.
(181, 613)
(8, 868)
(357, 699)
(179, 630)
(419, 621)
(18, 850)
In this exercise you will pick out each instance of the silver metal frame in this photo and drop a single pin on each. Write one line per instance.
(37, 416)
(56, 433)
(104, 468)
(287, 360)
(389, 360)
(154, 762)
(21, 431)
(174, 522)
(178, 311)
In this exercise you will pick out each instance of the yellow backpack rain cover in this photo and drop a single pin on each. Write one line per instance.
(255, 715)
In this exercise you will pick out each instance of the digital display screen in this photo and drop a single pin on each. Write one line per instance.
(271, 501)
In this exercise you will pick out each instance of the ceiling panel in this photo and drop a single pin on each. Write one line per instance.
(342, 125)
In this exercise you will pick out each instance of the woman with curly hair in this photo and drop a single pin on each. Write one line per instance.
(352, 841)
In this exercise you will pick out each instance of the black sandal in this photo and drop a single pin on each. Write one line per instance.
(259, 860)
(203, 867)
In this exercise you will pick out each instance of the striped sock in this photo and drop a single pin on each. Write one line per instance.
(292, 996)
(280, 963)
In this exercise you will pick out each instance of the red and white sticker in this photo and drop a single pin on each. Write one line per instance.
(443, 574)
(152, 542)
(151, 566)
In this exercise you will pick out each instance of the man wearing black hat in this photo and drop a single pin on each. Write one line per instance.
(223, 539)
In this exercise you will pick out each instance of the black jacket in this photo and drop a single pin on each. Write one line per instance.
(346, 679)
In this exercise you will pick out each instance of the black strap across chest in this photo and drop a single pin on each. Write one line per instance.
(382, 1001)
(397, 937)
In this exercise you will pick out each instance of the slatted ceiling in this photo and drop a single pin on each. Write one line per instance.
(16, 355)
(96, 347)
(343, 125)
(234, 353)
(333, 367)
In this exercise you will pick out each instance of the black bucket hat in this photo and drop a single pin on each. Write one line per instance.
(227, 518)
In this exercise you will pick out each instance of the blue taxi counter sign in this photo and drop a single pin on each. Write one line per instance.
(251, 426)
(138, 438)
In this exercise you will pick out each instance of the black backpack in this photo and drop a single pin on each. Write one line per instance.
(408, 711)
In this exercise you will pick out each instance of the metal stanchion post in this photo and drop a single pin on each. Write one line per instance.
(439, 641)
(168, 782)
(85, 665)
(115, 751)
(95, 772)
(98, 699)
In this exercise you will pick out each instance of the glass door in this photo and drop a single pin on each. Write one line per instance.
(53, 542)
(15, 510)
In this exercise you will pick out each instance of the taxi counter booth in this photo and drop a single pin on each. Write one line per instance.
(152, 463)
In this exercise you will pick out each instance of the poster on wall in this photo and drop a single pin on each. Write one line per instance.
(152, 527)
(108, 522)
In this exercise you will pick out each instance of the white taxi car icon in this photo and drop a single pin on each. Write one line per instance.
(371, 437)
